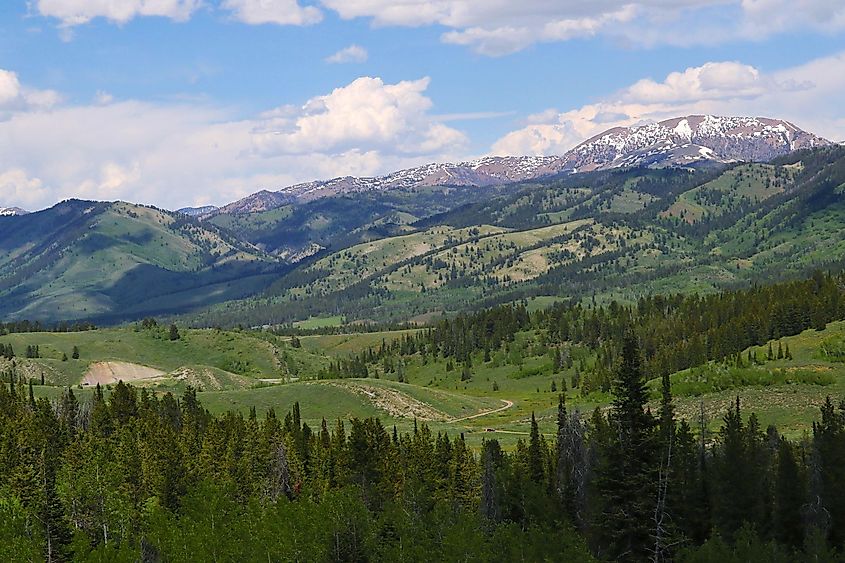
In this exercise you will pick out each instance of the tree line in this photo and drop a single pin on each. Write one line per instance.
(676, 331)
(142, 476)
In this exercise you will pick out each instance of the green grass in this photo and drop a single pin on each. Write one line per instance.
(317, 400)
(320, 322)
(233, 352)
(786, 393)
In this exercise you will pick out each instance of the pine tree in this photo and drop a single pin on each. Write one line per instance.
(174, 332)
(626, 479)
(789, 498)
(490, 509)
(75, 354)
(535, 453)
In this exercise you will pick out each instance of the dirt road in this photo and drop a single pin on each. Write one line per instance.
(508, 404)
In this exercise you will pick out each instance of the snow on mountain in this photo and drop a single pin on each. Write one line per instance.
(197, 211)
(488, 171)
(260, 201)
(9, 211)
(687, 140)
(682, 141)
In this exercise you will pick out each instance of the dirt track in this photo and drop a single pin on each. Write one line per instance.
(508, 404)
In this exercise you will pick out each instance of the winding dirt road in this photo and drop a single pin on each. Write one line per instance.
(508, 404)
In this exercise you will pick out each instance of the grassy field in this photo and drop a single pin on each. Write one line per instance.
(496, 401)
(234, 358)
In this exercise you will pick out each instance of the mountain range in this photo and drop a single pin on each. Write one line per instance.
(684, 203)
(691, 141)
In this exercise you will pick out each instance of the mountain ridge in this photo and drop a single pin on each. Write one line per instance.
(99, 259)
(686, 141)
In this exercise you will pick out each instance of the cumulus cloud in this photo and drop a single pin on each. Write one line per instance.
(174, 154)
(77, 12)
(508, 39)
(280, 12)
(806, 95)
(351, 54)
(14, 96)
(21, 190)
(386, 116)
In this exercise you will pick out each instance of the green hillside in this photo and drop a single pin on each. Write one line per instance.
(416, 254)
(344, 220)
(110, 260)
(207, 359)
(610, 235)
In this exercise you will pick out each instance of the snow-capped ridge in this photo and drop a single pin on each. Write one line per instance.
(687, 141)
(12, 211)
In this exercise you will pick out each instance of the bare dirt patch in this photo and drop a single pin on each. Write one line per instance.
(393, 402)
(106, 373)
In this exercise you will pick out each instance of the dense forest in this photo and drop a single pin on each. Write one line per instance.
(141, 476)
(676, 332)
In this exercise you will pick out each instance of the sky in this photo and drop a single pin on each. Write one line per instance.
(193, 102)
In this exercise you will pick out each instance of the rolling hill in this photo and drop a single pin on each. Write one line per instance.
(82, 259)
(440, 239)
(614, 234)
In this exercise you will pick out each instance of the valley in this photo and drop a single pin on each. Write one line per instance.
(384, 341)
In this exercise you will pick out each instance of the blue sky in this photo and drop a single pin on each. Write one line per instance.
(177, 102)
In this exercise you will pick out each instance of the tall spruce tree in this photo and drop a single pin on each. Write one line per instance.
(535, 453)
(626, 477)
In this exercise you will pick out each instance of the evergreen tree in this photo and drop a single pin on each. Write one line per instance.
(626, 477)
(535, 453)
(789, 498)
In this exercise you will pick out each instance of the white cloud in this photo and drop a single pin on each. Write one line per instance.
(390, 117)
(807, 95)
(351, 54)
(711, 81)
(175, 154)
(281, 12)
(19, 189)
(14, 96)
(103, 98)
(765, 17)
(508, 39)
(500, 27)
(77, 12)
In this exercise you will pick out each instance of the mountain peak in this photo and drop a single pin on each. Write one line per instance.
(689, 140)
(9, 211)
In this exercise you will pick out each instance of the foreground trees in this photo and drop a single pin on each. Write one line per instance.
(142, 476)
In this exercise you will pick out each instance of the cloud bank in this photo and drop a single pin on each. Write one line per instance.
(179, 154)
(502, 27)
